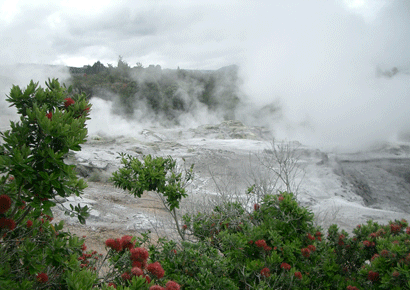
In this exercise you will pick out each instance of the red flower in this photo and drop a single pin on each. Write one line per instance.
(384, 253)
(5, 203)
(111, 284)
(368, 244)
(136, 271)
(7, 223)
(114, 244)
(395, 274)
(373, 276)
(171, 285)
(285, 266)
(126, 242)
(352, 288)
(68, 102)
(395, 228)
(298, 275)
(265, 272)
(139, 264)
(148, 279)
(139, 254)
(305, 252)
(156, 270)
(408, 230)
(83, 247)
(280, 198)
(261, 243)
(49, 115)
(126, 276)
(42, 277)
(310, 237)
(29, 223)
(156, 287)
(184, 227)
(318, 234)
(256, 207)
(312, 248)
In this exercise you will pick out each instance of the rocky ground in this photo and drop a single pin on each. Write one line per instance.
(346, 189)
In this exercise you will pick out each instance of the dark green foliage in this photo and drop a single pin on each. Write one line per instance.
(161, 90)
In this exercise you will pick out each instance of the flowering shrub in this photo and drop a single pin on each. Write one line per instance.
(34, 254)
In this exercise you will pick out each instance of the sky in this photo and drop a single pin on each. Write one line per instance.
(318, 59)
(190, 34)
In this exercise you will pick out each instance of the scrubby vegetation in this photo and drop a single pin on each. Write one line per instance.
(273, 244)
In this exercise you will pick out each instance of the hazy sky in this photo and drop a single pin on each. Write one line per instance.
(317, 58)
(196, 34)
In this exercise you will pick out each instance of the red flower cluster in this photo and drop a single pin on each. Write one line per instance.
(88, 260)
(126, 276)
(256, 207)
(310, 237)
(68, 102)
(29, 223)
(5, 203)
(111, 284)
(171, 285)
(265, 272)
(368, 244)
(395, 274)
(408, 230)
(384, 253)
(285, 266)
(139, 255)
(298, 275)
(139, 258)
(341, 240)
(281, 198)
(7, 223)
(137, 271)
(42, 277)
(305, 252)
(312, 248)
(49, 115)
(395, 228)
(156, 270)
(126, 243)
(373, 276)
(262, 244)
(114, 244)
(352, 288)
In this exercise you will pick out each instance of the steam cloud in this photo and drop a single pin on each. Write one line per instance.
(321, 65)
